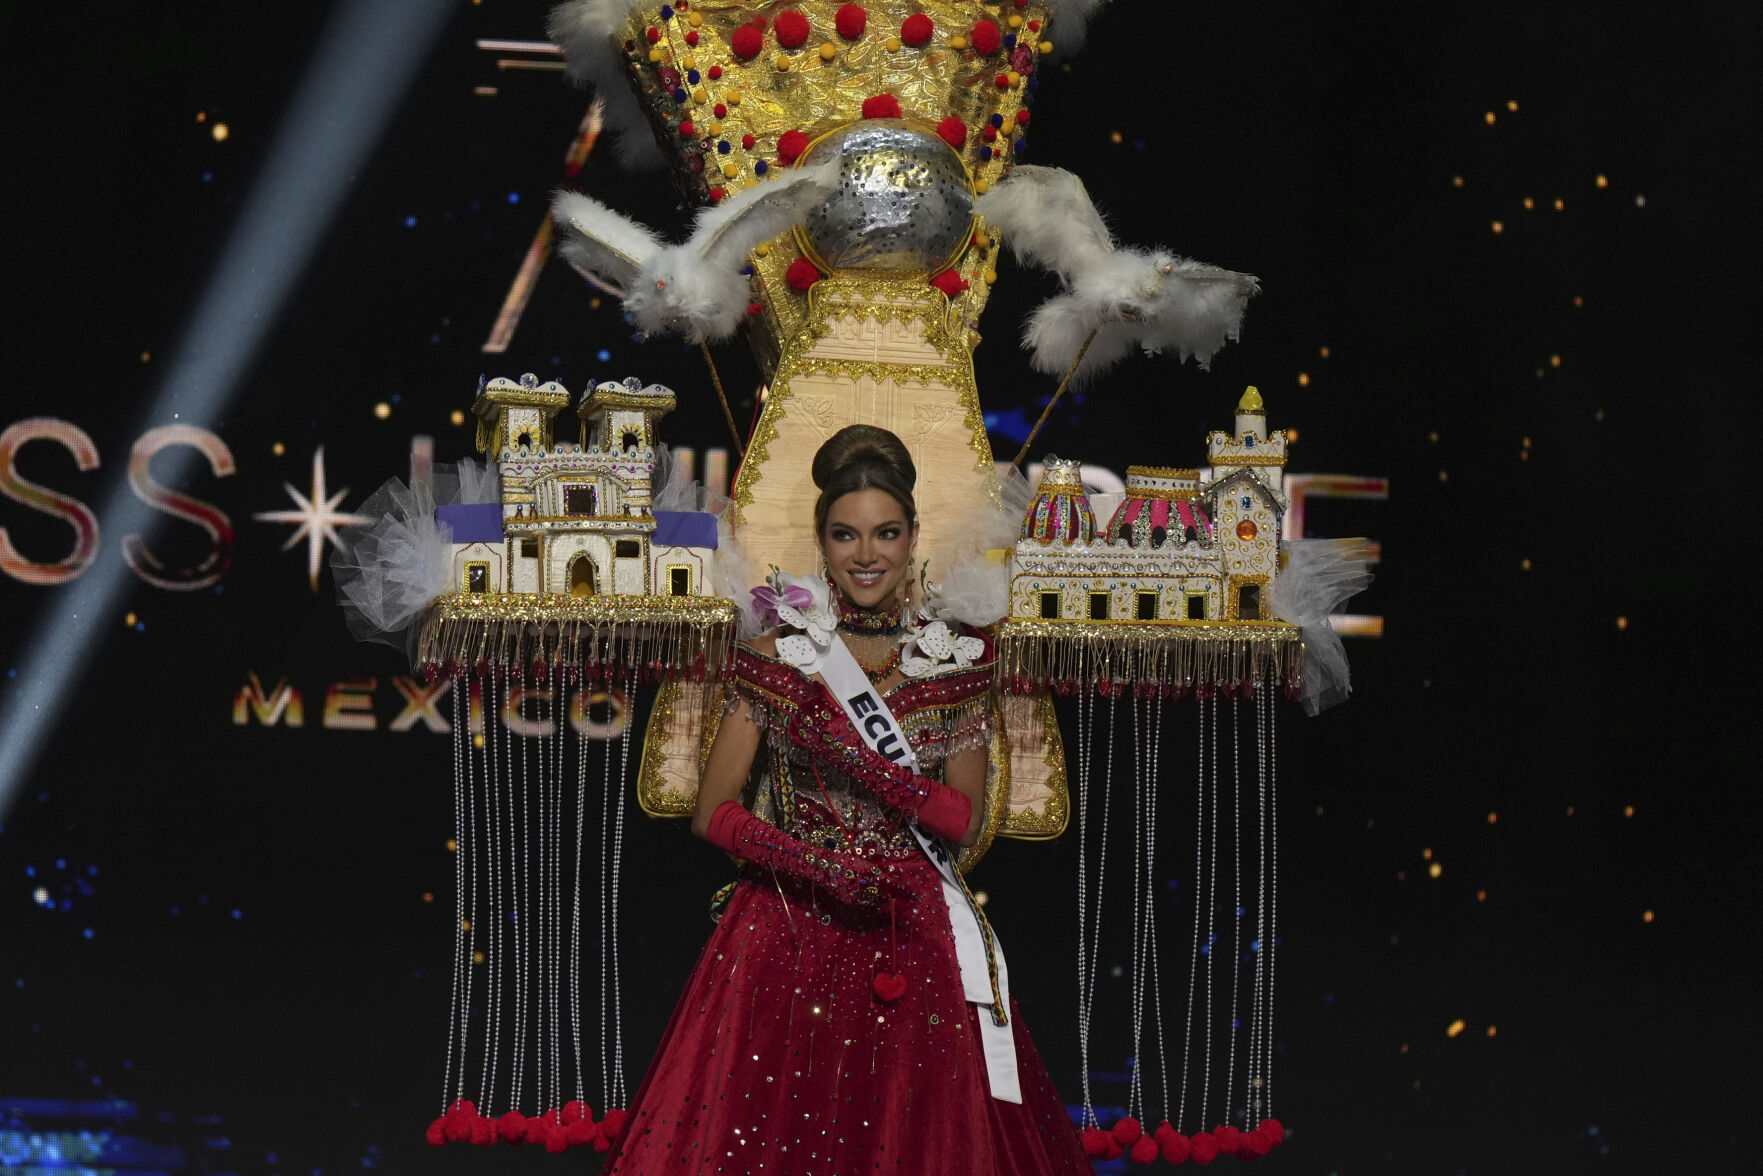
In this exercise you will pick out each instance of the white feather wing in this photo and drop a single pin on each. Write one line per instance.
(587, 32)
(1047, 219)
(607, 244)
(697, 289)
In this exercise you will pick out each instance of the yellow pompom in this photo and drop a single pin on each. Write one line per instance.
(957, 42)
(694, 20)
(654, 55)
(990, 276)
(1046, 46)
(715, 126)
(981, 186)
(733, 98)
(700, 96)
(1015, 21)
(828, 50)
(762, 249)
(730, 170)
(689, 61)
(981, 240)
(893, 44)
(1014, 77)
(783, 63)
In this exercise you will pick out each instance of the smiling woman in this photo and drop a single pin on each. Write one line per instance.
(853, 1004)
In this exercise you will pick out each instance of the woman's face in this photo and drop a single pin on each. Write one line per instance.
(867, 544)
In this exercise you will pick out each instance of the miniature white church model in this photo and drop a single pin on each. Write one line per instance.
(575, 518)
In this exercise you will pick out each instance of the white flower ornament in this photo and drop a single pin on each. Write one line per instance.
(935, 647)
(803, 603)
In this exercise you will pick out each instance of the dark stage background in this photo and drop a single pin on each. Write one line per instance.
(217, 944)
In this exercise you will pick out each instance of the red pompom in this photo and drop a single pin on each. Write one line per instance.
(953, 132)
(889, 987)
(574, 1109)
(1273, 1129)
(436, 1134)
(455, 1128)
(483, 1133)
(916, 29)
(1128, 1130)
(1255, 1144)
(1145, 1150)
(1230, 1140)
(462, 1108)
(790, 144)
(746, 42)
(581, 1132)
(747, 142)
(755, 308)
(1002, 81)
(1113, 1149)
(802, 274)
(601, 1142)
(719, 110)
(686, 129)
(612, 1126)
(1203, 1148)
(715, 72)
(716, 194)
(1022, 116)
(1174, 1144)
(1095, 1141)
(850, 21)
(881, 106)
(792, 29)
(654, 34)
(949, 282)
(986, 37)
(989, 134)
(692, 37)
(511, 1127)
(556, 1141)
(539, 1129)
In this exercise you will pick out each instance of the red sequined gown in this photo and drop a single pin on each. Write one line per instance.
(780, 1057)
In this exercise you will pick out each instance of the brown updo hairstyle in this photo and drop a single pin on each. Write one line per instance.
(863, 457)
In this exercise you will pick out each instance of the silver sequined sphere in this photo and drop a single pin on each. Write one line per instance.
(904, 201)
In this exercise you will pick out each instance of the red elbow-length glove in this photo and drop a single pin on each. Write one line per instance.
(940, 809)
(847, 877)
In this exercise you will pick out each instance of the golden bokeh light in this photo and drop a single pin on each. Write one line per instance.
(1646, 916)
(278, 449)
(1435, 869)
(1499, 226)
(457, 417)
(1622, 622)
(1303, 379)
(220, 131)
(1455, 1027)
(382, 410)
(1488, 118)
(1603, 181)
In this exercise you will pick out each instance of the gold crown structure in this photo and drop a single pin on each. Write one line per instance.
(867, 311)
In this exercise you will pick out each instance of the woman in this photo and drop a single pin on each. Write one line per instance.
(850, 1013)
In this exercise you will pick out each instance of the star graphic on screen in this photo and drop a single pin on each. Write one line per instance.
(317, 518)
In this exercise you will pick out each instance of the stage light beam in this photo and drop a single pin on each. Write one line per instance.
(365, 59)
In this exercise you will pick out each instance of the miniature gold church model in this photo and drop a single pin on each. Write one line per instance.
(1180, 560)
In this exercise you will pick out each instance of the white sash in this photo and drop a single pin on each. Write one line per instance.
(878, 728)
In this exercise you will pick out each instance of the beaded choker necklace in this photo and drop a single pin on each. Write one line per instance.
(880, 623)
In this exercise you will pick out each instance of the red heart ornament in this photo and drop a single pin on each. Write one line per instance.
(889, 987)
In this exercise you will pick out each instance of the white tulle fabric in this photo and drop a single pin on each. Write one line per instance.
(1321, 575)
(387, 573)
